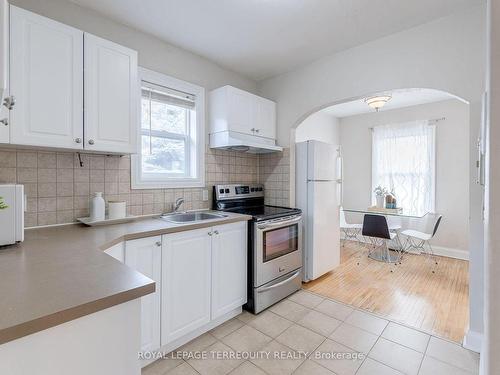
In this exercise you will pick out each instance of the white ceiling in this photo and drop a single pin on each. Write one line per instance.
(263, 38)
(400, 99)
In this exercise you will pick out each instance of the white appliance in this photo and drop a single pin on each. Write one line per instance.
(318, 193)
(12, 215)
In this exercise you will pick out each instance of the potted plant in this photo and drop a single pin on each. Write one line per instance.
(3, 206)
(380, 193)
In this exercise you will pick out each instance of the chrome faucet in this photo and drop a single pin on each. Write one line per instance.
(178, 203)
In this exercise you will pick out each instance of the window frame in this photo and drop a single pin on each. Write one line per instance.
(196, 158)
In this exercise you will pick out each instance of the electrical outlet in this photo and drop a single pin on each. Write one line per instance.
(205, 195)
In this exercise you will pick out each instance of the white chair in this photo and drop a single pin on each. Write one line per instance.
(351, 231)
(393, 223)
(418, 240)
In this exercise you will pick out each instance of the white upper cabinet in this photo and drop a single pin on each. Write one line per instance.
(266, 118)
(144, 255)
(4, 71)
(241, 114)
(46, 79)
(111, 96)
(229, 268)
(51, 66)
(232, 109)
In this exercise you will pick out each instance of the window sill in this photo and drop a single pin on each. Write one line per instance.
(174, 184)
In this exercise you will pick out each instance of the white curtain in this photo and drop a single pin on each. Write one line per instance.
(403, 161)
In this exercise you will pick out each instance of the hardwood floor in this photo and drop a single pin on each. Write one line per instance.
(437, 303)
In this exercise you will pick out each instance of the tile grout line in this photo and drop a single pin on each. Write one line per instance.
(388, 319)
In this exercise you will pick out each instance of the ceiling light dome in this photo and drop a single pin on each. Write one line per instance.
(377, 102)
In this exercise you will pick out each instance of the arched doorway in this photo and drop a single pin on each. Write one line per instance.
(452, 146)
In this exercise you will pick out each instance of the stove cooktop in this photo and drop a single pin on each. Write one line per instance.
(260, 213)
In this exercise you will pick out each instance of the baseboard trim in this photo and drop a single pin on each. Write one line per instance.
(451, 253)
(473, 341)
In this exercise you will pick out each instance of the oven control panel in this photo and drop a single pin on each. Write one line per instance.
(234, 191)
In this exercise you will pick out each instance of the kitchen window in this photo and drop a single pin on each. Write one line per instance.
(404, 162)
(171, 139)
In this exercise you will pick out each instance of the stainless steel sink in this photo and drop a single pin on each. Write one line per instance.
(189, 217)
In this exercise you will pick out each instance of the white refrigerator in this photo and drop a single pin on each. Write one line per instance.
(318, 192)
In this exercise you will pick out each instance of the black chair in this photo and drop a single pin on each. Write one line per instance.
(375, 228)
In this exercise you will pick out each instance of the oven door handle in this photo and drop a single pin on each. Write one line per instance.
(282, 223)
(277, 285)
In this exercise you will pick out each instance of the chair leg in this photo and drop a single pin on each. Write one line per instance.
(400, 249)
(431, 252)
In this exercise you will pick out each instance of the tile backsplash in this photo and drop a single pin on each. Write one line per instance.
(274, 173)
(58, 188)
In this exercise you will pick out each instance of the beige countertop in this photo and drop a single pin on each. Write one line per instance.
(61, 273)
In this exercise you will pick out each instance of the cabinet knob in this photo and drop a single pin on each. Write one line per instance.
(78, 140)
(91, 141)
(216, 232)
(253, 129)
(257, 130)
(158, 243)
(210, 233)
(4, 121)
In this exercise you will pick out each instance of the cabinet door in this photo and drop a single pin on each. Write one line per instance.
(144, 255)
(4, 125)
(266, 118)
(229, 268)
(111, 96)
(46, 78)
(4, 47)
(186, 283)
(4, 71)
(241, 111)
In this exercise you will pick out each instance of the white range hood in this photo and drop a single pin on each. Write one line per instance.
(242, 121)
(229, 140)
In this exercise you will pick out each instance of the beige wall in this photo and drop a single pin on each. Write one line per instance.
(452, 160)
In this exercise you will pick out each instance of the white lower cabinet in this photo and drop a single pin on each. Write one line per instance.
(204, 277)
(186, 276)
(201, 279)
(144, 255)
(229, 268)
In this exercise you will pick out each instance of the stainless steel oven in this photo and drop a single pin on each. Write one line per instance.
(278, 248)
(274, 243)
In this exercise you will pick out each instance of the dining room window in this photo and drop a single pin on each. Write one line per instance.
(171, 139)
(404, 162)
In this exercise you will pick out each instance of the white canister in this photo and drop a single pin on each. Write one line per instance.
(97, 207)
(380, 201)
(117, 209)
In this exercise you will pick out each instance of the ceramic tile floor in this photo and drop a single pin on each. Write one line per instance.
(305, 331)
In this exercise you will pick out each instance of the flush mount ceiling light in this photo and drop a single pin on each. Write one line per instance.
(377, 102)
